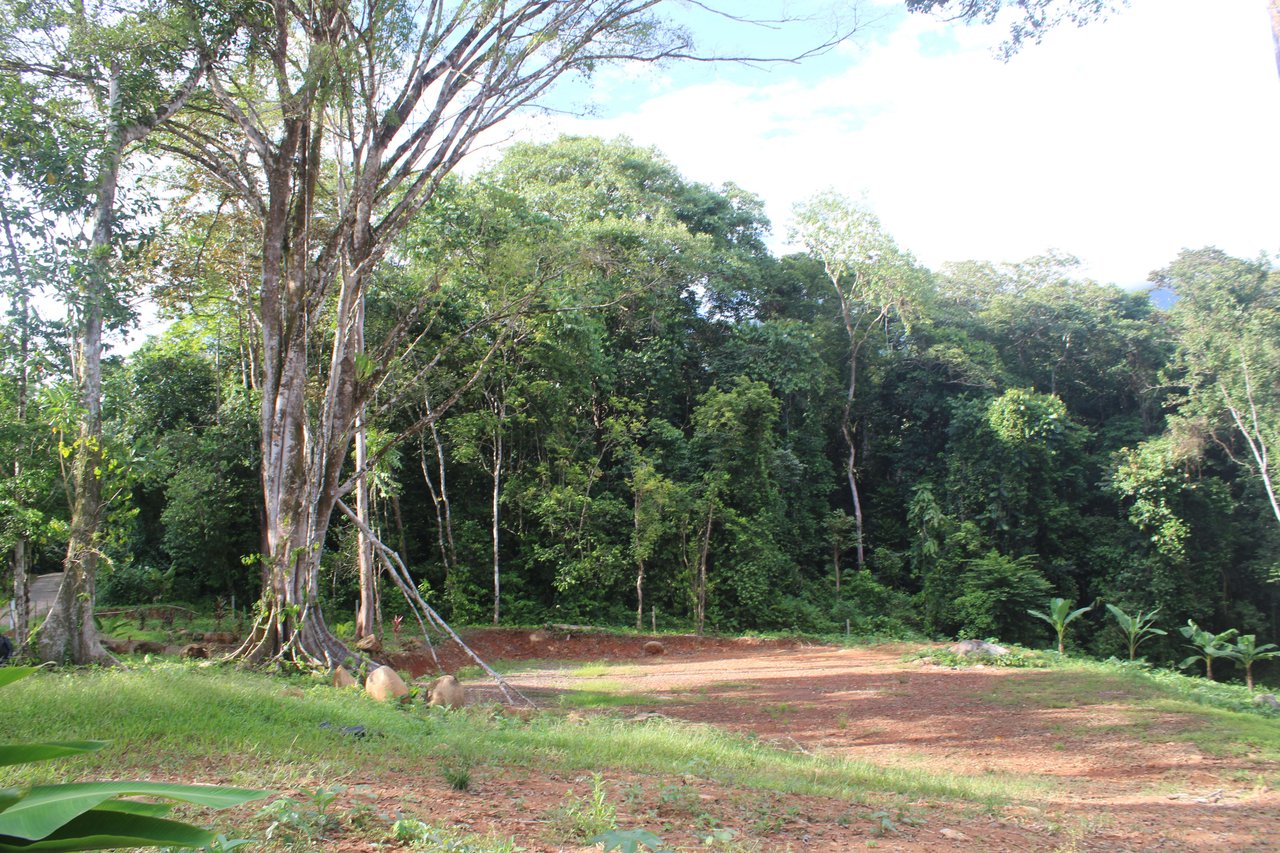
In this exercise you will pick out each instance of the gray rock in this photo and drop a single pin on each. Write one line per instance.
(447, 692)
(969, 648)
(1267, 700)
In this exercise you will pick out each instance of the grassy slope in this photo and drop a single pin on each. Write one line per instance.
(181, 721)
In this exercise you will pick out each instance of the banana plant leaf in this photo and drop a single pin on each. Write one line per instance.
(10, 674)
(24, 753)
(45, 808)
(100, 829)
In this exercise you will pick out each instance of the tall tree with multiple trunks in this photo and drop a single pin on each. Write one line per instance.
(82, 85)
(340, 123)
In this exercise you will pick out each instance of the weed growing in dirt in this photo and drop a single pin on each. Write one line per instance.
(437, 838)
(458, 776)
(583, 818)
(301, 824)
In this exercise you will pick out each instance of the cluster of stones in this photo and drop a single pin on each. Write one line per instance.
(385, 685)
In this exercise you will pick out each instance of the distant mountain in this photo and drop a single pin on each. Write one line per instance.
(1162, 297)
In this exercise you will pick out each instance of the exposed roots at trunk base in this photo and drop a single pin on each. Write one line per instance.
(305, 641)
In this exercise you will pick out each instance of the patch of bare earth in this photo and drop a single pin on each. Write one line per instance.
(1083, 772)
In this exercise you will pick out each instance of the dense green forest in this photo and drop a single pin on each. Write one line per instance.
(619, 403)
(574, 386)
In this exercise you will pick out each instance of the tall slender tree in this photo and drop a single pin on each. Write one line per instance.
(83, 84)
(874, 282)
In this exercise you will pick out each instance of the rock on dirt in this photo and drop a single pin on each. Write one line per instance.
(967, 648)
(447, 693)
(653, 647)
(342, 678)
(385, 684)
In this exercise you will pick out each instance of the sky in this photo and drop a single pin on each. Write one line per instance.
(1121, 142)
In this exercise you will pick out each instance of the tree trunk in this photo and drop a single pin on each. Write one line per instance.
(367, 609)
(69, 634)
(846, 420)
(497, 492)
(700, 603)
(835, 559)
(19, 559)
(639, 567)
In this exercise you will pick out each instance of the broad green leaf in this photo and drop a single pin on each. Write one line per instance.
(9, 796)
(104, 830)
(47, 807)
(138, 807)
(23, 753)
(1076, 614)
(10, 674)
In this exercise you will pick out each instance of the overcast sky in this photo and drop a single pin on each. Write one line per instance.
(1121, 142)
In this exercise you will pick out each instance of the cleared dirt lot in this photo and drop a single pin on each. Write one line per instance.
(1086, 763)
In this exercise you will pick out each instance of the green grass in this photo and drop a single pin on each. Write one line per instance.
(240, 727)
(604, 698)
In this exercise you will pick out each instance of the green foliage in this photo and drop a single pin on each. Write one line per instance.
(1060, 615)
(434, 838)
(995, 591)
(1208, 646)
(584, 818)
(95, 815)
(1248, 652)
(303, 823)
(629, 841)
(1136, 628)
(1016, 658)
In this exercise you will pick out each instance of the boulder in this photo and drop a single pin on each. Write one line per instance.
(653, 647)
(538, 636)
(385, 684)
(195, 651)
(446, 692)
(970, 648)
(1267, 700)
(342, 678)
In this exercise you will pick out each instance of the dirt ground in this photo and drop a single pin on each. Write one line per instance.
(1100, 777)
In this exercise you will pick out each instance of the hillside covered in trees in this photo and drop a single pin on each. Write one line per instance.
(619, 406)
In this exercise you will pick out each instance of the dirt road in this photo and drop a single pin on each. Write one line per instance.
(1089, 766)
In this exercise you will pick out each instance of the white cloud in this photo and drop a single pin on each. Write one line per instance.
(1121, 142)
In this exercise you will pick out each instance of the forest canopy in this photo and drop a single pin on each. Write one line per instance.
(660, 424)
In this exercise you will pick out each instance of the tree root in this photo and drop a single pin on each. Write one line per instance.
(425, 614)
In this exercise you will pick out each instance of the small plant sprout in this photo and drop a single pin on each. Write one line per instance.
(1208, 646)
(1136, 628)
(1247, 651)
(1060, 615)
